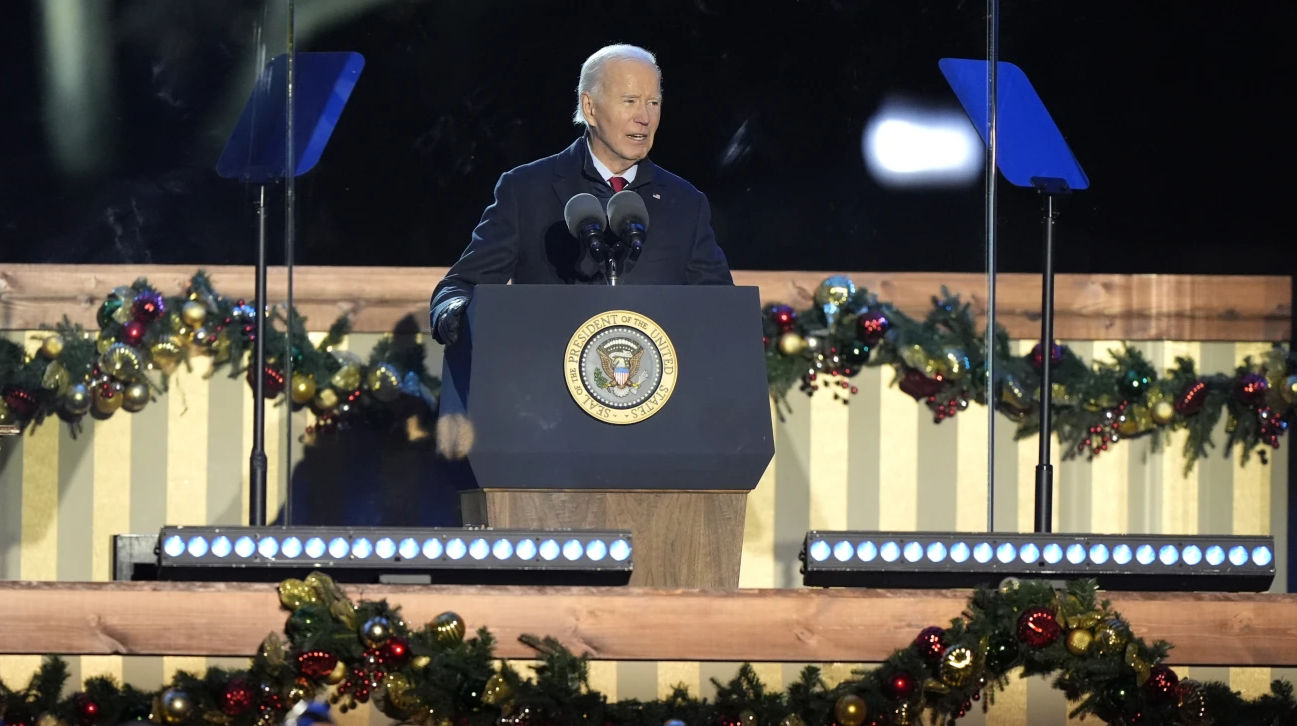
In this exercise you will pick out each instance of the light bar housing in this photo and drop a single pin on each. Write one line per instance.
(384, 554)
(1234, 563)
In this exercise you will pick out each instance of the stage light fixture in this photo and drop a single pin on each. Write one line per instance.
(1235, 563)
(378, 554)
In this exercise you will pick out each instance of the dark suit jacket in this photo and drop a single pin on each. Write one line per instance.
(522, 235)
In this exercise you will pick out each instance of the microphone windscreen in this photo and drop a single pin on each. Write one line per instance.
(582, 210)
(627, 206)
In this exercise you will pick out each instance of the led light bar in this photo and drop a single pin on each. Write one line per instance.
(375, 554)
(967, 559)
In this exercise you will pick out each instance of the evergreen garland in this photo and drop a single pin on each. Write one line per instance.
(941, 361)
(352, 653)
(143, 336)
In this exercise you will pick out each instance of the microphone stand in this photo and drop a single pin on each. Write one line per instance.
(1050, 188)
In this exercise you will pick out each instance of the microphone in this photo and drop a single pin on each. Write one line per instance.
(585, 220)
(629, 219)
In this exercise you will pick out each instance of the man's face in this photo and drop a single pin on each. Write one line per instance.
(623, 113)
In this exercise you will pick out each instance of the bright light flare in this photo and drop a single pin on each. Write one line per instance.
(908, 147)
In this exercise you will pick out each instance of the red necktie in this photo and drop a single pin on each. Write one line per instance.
(617, 183)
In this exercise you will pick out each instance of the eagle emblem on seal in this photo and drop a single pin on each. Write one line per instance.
(620, 360)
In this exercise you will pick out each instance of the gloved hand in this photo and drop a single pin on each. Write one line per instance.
(450, 321)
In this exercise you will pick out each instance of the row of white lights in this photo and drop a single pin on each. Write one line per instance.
(387, 548)
(1052, 553)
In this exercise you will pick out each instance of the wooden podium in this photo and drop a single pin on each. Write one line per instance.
(682, 539)
(544, 455)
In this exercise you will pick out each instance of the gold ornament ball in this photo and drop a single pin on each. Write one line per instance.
(107, 404)
(497, 691)
(398, 692)
(791, 343)
(104, 341)
(347, 378)
(121, 361)
(421, 661)
(77, 400)
(1110, 637)
(166, 352)
(958, 664)
(176, 705)
(303, 390)
(384, 383)
(954, 363)
(917, 358)
(792, 719)
(448, 629)
(336, 675)
(850, 710)
(52, 346)
(326, 399)
(1163, 412)
(193, 313)
(1079, 641)
(1009, 585)
(135, 397)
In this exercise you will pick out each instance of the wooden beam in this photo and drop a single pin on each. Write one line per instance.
(793, 625)
(1088, 307)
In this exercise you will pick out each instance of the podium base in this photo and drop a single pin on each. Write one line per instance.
(682, 539)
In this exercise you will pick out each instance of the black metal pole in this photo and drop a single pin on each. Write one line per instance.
(1044, 469)
(257, 462)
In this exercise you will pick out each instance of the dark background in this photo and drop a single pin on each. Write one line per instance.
(1177, 113)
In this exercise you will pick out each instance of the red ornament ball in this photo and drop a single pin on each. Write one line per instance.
(931, 643)
(1252, 388)
(871, 326)
(900, 686)
(395, 651)
(133, 332)
(20, 401)
(86, 709)
(783, 316)
(1037, 627)
(918, 385)
(148, 306)
(236, 698)
(316, 663)
(1191, 399)
(1038, 356)
(273, 382)
(1162, 684)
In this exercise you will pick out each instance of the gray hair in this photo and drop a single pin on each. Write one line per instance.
(592, 70)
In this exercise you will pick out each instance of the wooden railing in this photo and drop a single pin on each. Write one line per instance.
(1088, 307)
(834, 625)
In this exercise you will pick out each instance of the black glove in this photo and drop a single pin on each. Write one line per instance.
(450, 321)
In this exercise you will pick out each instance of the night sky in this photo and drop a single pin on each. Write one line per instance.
(1173, 111)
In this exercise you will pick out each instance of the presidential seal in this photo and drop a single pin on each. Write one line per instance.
(620, 367)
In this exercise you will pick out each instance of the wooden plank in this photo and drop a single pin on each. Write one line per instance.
(797, 626)
(1088, 307)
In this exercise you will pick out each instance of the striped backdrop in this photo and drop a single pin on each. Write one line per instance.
(877, 463)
